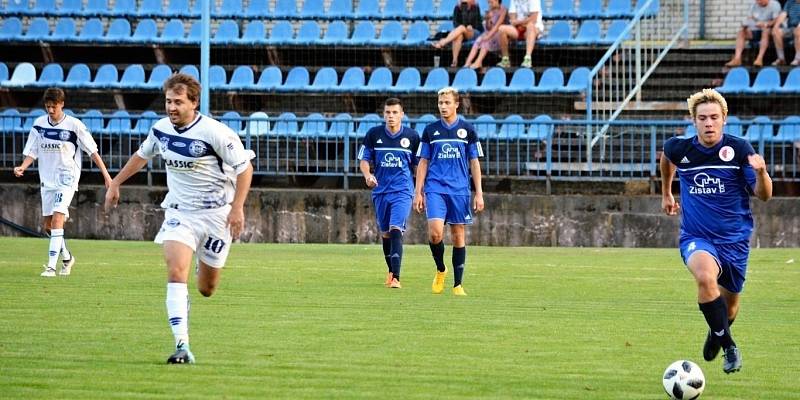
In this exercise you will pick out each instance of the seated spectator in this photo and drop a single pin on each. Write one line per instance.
(496, 16)
(787, 25)
(466, 26)
(525, 22)
(761, 17)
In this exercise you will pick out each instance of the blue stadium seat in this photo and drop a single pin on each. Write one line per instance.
(96, 8)
(759, 129)
(118, 31)
(145, 122)
(614, 31)
(42, 7)
(78, 76)
(314, 125)
(179, 8)
(132, 77)
(18, 7)
(552, 81)
(466, 80)
(423, 121)
(296, 80)
(10, 121)
(150, 9)
(423, 9)
(312, 9)
(418, 34)
(367, 9)
(173, 32)
(689, 132)
(64, 30)
(217, 77)
(523, 81)
(285, 125)
(558, 35)
(270, 79)
(107, 77)
(391, 34)
(578, 81)
(227, 33)
(368, 122)
(512, 128)
(341, 126)
(232, 120)
(590, 9)
(408, 81)
(308, 33)
(285, 9)
(38, 29)
(395, 9)
(437, 78)
(281, 33)
(380, 80)
(228, 9)
(340, 9)
(124, 8)
(733, 126)
(352, 80)
(588, 34)
(257, 9)
(541, 129)
(337, 33)
(254, 33)
(119, 123)
(146, 32)
(158, 75)
(196, 11)
(792, 82)
(494, 81)
(92, 31)
(195, 32)
(560, 9)
(736, 81)
(363, 33)
(28, 124)
(445, 9)
(485, 126)
(789, 130)
(767, 81)
(444, 27)
(93, 119)
(190, 70)
(11, 29)
(619, 9)
(257, 124)
(68, 8)
(3, 71)
(325, 80)
(24, 74)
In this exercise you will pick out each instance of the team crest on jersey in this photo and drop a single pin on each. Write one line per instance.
(63, 135)
(726, 153)
(404, 142)
(197, 148)
(164, 144)
(462, 133)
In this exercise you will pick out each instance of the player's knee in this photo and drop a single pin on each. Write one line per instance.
(207, 290)
(435, 237)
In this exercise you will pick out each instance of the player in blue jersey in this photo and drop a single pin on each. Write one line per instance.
(208, 177)
(448, 153)
(717, 174)
(390, 149)
(57, 140)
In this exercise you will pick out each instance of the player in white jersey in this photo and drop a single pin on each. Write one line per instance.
(56, 140)
(208, 177)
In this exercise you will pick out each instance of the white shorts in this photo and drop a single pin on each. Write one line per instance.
(204, 231)
(56, 200)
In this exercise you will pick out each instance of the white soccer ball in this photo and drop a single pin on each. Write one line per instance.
(683, 379)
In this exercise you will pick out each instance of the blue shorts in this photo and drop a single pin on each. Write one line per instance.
(391, 210)
(453, 209)
(731, 258)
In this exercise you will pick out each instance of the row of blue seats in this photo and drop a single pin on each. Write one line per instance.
(289, 124)
(282, 33)
(298, 79)
(761, 128)
(310, 9)
(767, 81)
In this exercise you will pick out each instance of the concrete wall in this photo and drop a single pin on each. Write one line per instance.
(723, 18)
(295, 216)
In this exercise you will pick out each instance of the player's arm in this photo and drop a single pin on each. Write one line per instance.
(236, 216)
(419, 196)
(134, 164)
(20, 170)
(668, 203)
(100, 164)
(475, 171)
(763, 187)
(369, 178)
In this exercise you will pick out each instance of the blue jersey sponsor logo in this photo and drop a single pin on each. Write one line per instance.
(704, 184)
(178, 144)
(449, 151)
(391, 161)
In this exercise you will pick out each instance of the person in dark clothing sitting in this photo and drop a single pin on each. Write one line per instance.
(466, 26)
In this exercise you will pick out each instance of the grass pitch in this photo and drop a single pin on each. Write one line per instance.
(314, 321)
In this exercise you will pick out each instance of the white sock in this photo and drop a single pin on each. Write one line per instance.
(56, 241)
(178, 311)
(65, 254)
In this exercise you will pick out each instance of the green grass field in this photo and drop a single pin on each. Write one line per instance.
(314, 321)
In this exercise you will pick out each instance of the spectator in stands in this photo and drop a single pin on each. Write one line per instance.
(525, 22)
(760, 18)
(489, 41)
(448, 155)
(56, 140)
(787, 25)
(466, 26)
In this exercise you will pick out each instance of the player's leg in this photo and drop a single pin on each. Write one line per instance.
(400, 206)
(386, 243)
(178, 257)
(459, 214)
(436, 211)
(733, 258)
(382, 209)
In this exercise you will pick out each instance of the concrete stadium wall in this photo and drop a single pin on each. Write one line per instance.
(336, 216)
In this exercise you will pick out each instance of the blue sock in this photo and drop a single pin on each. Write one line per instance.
(459, 259)
(396, 254)
(716, 313)
(387, 247)
(437, 250)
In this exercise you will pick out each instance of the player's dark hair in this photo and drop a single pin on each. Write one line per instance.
(54, 95)
(183, 82)
(393, 101)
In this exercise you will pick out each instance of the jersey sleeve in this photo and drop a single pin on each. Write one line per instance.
(85, 139)
(414, 145)
(424, 148)
(149, 148)
(32, 145)
(474, 149)
(232, 151)
(669, 149)
(367, 149)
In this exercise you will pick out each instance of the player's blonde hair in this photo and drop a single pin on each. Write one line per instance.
(707, 96)
(451, 91)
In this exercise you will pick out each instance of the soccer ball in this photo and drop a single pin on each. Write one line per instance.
(683, 379)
